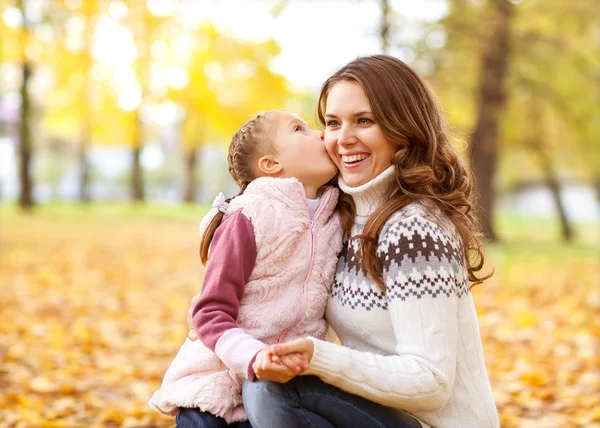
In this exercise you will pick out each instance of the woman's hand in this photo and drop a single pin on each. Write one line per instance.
(303, 347)
(280, 368)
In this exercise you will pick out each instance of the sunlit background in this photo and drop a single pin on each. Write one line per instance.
(115, 117)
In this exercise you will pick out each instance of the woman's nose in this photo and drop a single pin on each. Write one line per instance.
(346, 136)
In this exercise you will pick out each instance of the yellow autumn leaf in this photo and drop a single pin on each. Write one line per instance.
(525, 319)
(534, 379)
(43, 385)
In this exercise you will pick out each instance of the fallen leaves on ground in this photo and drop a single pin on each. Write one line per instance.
(540, 323)
(93, 313)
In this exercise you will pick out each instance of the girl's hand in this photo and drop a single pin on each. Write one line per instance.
(192, 333)
(303, 347)
(266, 369)
(191, 309)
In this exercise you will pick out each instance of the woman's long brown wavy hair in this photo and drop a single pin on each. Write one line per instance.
(428, 168)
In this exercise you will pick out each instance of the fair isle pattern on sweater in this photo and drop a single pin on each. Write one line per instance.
(412, 244)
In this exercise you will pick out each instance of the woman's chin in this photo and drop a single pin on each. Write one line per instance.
(354, 179)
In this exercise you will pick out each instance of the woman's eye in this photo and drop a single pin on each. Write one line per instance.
(331, 123)
(365, 121)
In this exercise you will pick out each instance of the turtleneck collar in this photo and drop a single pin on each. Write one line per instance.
(367, 197)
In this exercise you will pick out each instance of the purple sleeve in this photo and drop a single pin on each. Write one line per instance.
(231, 261)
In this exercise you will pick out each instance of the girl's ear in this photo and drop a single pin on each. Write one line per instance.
(269, 165)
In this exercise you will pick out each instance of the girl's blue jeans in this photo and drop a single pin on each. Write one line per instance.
(307, 401)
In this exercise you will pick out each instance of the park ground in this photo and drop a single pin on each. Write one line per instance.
(93, 303)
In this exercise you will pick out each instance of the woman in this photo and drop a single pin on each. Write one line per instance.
(401, 302)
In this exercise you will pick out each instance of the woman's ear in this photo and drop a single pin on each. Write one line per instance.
(269, 165)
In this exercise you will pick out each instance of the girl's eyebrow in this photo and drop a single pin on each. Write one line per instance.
(298, 122)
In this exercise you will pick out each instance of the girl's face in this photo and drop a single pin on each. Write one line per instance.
(354, 140)
(301, 153)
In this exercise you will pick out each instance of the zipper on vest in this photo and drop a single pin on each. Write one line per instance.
(310, 268)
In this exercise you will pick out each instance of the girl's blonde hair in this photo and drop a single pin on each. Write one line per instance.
(252, 140)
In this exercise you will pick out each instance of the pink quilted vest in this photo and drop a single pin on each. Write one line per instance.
(284, 299)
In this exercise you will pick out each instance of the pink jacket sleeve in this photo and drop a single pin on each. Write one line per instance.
(231, 261)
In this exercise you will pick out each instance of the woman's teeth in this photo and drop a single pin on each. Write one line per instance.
(354, 158)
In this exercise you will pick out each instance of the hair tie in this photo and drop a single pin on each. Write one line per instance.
(220, 203)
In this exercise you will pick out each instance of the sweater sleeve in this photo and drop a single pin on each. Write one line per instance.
(424, 275)
(232, 259)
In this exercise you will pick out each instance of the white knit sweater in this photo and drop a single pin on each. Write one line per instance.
(417, 347)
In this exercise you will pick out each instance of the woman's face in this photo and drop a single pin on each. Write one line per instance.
(354, 140)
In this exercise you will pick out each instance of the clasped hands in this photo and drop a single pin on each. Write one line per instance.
(279, 363)
(283, 361)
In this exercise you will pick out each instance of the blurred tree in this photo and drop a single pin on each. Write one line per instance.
(6, 33)
(8, 53)
(554, 108)
(553, 62)
(89, 10)
(533, 138)
(226, 81)
(385, 24)
(147, 29)
(491, 99)
(25, 143)
(70, 101)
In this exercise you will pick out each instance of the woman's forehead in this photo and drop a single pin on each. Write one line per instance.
(347, 96)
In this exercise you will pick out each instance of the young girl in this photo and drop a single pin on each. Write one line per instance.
(273, 252)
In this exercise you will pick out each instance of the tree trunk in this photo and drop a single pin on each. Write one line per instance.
(538, 126)
(490, 103)
(137, 173)
(137, 180)
(86, 126)
(384, 26)
(84, 169)
(84, 143)
(191, 160)
(554, 186)
(25, 145)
